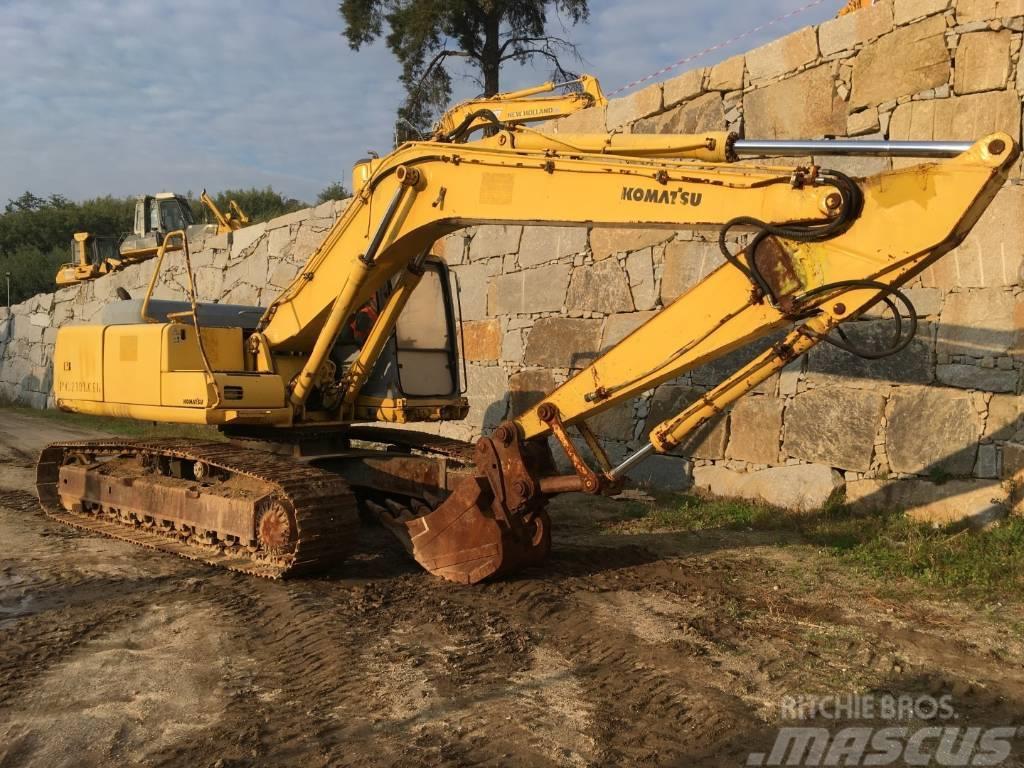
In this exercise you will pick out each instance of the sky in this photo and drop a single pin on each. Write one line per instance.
(126, 97)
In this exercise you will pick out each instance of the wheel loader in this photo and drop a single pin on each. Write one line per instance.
(155, 215)
(320, 391)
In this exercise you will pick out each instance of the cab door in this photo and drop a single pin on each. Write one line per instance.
(425, 346)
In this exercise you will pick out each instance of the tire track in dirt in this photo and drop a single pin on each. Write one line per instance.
(653, 702)
(52, 600)
(152, 678)
(304, 637)
(19, 500)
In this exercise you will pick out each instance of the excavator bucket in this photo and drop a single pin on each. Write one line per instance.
(462, 540)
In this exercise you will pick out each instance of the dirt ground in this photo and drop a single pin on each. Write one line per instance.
(644, 649)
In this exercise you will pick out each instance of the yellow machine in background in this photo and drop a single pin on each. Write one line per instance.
(235, 217)
(368, 333)
(855, 5)
(91, 257)
(519, 107)
(155, 215)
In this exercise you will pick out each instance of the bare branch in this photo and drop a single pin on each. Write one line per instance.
(548, 40)
(551, 47)
(523, 53)
(436, 61)
(440, 57)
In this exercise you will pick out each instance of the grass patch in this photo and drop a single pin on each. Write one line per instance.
(987, 563)
(119, 427)
(692, 513)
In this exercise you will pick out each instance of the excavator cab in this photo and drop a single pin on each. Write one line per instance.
(204, 377)
(417, 376)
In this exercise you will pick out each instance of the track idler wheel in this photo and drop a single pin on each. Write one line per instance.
(275, 529)
(463, 540)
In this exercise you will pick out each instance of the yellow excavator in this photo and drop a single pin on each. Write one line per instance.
(520, 107)
(155, 215)
(317, 391)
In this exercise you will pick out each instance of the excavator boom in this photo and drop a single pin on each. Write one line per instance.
(824, 249)
(821, 248)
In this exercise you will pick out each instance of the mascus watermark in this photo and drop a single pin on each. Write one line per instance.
(926, 733)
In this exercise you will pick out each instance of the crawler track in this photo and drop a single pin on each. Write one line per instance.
(321, 508)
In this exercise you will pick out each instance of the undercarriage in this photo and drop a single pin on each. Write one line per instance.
(277, 505)
(237, 508)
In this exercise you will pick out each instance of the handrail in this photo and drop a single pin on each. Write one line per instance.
(194, 312)
(144, 310)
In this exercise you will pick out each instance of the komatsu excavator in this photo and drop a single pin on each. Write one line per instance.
(367, 334)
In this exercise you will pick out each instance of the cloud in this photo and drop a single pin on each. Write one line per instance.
(101, 97)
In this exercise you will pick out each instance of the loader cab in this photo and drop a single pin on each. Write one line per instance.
(163, 212)
(100, 250)
(155, 216)
(91, 256)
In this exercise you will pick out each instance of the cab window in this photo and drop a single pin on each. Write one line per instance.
(171, 216)
(425, 348)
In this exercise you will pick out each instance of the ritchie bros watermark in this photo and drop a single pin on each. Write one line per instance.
(883, 729)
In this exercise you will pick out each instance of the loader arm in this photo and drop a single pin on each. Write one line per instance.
(823, 249)
(233, 220)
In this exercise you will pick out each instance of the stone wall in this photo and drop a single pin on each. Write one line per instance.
(936, 429)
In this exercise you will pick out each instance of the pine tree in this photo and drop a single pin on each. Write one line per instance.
(426, 36)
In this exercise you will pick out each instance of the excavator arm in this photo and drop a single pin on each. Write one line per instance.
(823, 248)
(518, 107)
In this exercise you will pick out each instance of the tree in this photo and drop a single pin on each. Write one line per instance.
(333, 191)
(45, 224)
(425, 35)
(24, 202)
(35, 235)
